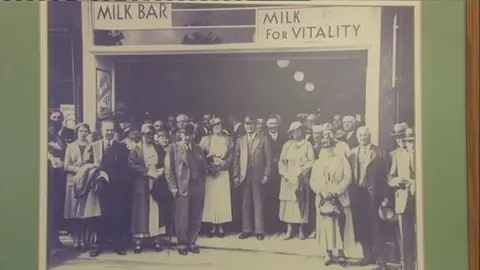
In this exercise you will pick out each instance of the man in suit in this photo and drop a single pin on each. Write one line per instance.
(401, 179)
(236, 131)
(203, 128)
(181, 120)
(252, 165)
(59, 136)
(115, 198)
(185, 170)
(272, 190)
(349, 126)
(367, 192)
(261, 125)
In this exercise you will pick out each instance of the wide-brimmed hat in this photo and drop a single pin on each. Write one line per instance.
(409, 135)
(399, 129)
(387, 214)
(187, 129)
(294, 126)
(215, 121)
(147, 128)
(249, 120)
(302, 116)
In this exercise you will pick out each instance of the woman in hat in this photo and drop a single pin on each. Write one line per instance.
(218, 149)
(79, 210)
(296, 161)
(331, 176)
(146, 163)
(341, 147)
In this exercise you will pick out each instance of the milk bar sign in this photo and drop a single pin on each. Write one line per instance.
(332, 26)
(131, 16)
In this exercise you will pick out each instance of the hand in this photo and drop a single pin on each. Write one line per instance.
(236, 182)
(264, 180)
(160, 171)
(329, 196)
(174, 194)
(384, 203)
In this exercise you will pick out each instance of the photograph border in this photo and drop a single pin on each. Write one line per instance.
(473, 130)
(443, 84)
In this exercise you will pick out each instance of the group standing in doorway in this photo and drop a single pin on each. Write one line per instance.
(139, 186)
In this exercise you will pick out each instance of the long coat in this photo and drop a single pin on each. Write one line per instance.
(141, 188)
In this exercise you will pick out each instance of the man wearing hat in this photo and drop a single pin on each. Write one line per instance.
(366, 193)
(185, 171)
(112, 157)
(252, 164)
(401, 179)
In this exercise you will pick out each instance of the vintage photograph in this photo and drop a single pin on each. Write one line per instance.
(238, 134)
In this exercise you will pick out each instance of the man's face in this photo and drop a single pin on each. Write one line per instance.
(206, 119)
(400, 142)
(317, 136)
(158, 125)
(57, 119)
(171, 121)
(260, 125)
(348, 125)
(108, 130)
(134, 135)
(363, 137)
(410, 145)
(186, 137)
(250, 127)
(272, 125)
(182, 121)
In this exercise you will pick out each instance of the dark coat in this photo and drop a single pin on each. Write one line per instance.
(142, 191)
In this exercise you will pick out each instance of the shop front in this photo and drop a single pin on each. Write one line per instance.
(163, 58)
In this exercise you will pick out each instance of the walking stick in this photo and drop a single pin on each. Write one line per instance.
(172, 219)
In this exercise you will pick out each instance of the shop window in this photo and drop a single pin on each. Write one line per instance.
(61, 70)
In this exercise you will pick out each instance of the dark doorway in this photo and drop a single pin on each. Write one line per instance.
(254, 83)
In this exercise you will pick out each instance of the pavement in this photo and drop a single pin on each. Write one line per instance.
(216, 254)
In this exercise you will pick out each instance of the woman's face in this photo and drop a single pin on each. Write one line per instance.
(410, 145)
(217, 129)
(400, 142)
(83, 132)
(317, 136)
(297, 134)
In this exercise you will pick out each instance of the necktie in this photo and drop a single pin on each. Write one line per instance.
(107, 147)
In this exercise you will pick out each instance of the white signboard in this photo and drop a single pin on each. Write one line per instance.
(104, 92)
(68, 111)
(328, 26)
(131, 16)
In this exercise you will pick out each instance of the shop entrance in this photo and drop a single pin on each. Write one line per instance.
(260, 83)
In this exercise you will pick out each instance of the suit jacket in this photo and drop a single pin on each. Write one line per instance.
(201, 132)
(261, 160)
(237, 134)
(177, 169)
(375, 179)
(276, 147)
(339, 182)
(74, 159)
(400, 170)
(114, 162)
(352, 141)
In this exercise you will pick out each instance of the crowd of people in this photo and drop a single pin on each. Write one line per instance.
(143, 184)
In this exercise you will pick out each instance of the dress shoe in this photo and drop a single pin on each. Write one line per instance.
(329, 262)
(244, 235)
(183, 251)
(211, 234)
(342, 261)
(220, 234)
(301, 235)
(120, 252)
(94, 252)
(366, 261)
(288, 236)
(137, 249)
(158, 248)
(260, 237)
(194, 250)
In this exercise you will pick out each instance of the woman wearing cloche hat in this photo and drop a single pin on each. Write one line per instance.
(218, 149)
(295, 163)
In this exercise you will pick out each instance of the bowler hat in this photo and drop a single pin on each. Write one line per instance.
(409, 135)
(399, 129)
(215, 121)
(187, 129)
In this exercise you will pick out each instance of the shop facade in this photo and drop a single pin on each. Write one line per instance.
(117, 32)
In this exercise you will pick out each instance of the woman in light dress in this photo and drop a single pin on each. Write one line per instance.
(80, 211)
(295, 163)
(218, 149)
(330, 178)
(146, 163)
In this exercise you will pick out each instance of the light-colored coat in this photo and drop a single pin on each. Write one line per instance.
(375, 170)
(400, 171)
(338, 184)
(261, 160)
(177, 170)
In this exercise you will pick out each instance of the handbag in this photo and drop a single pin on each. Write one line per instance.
(328, 208)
